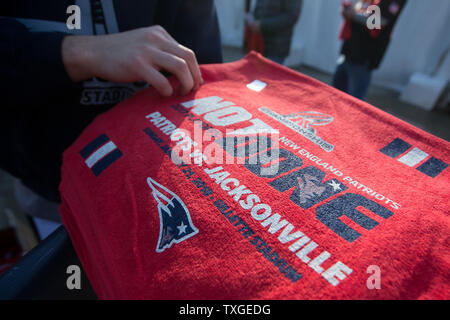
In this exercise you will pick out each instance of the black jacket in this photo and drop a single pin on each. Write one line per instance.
(362, 48)
(42, 112)
(278, 19)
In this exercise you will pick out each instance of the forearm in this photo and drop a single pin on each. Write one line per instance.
(136, 55)
(55, 60)
(77, 56)
(30, 61)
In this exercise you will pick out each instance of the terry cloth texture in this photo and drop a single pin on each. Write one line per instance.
(343, 200)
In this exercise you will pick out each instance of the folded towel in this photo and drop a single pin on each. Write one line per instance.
(263, 184)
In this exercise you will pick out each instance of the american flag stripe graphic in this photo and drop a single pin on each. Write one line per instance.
(100, 154)
(398, 149)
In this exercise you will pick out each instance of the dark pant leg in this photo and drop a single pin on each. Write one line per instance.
(277, 59)
(340, 78)
(359, 80)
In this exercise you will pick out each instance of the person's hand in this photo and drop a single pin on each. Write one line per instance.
(132, 56)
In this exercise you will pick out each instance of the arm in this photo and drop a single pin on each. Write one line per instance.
(30, 64)
(131, 56)
(35, 64)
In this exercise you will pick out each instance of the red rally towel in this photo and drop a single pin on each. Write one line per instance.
(263, 184)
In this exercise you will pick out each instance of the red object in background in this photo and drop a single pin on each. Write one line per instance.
(346, 30)
(254, 41)
(113, 215)
(375, 33)
(10, 249)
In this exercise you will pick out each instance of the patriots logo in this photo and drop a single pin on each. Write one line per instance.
(175, 221)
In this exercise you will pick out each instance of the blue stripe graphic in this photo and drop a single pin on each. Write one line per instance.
(396, 148)
(105, 162)
(94, 145)
(433, 167)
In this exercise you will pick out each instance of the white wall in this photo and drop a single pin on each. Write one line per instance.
(419, 39)
(231, 20)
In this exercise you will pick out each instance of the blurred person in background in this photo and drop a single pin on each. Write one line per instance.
(363, 48)
(55, 80)
(275, 20)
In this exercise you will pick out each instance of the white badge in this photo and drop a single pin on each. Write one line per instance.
(257, 85)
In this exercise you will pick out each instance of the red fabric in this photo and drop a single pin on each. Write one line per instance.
(375, 33)
(254, 41)
(346, 31)
(114, 222)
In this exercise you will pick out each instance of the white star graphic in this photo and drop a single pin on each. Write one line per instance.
(182, 229)
(336, 186)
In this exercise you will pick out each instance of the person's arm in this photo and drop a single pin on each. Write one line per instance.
(132, 56)
(286, 19)
(34, 65)
(30, 64)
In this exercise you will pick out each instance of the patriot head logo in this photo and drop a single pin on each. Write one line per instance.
(309, 188)
(307, 119)
(175, 222)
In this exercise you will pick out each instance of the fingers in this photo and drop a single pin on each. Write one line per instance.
(155, 79)
(164, 32)
(161, 51)
(162, 40)
(187, 54)
(179, 67)
(189, 57)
